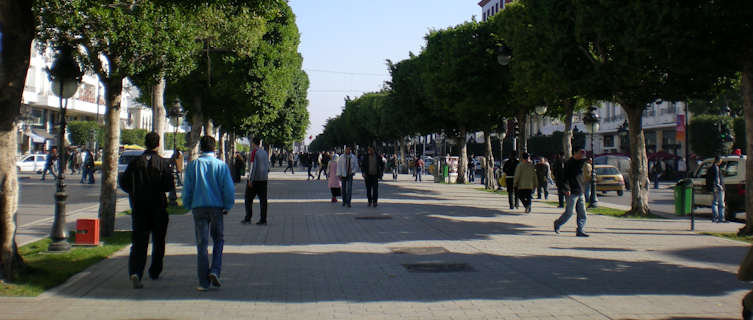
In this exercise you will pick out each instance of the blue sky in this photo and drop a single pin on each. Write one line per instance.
(345, 44)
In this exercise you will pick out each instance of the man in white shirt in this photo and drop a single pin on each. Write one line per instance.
(347, 166)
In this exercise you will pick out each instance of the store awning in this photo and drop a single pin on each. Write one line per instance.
(39, 136)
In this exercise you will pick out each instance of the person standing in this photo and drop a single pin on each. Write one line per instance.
(558, 170)
(373, 169)
(87, 166)
(525, 181)
(573, 184)
(209, 193)
(543, 175)
(333, 181)
(347, 165)
(395, 167)
(509, 170)
(146, 180)
(419, 169)
(656, 172)
(49, 165)
(179, 166)
(715, 180)
(240, 167)
(588, 173)
(257, 183)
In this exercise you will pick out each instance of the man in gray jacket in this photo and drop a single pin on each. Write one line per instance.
(257, 182)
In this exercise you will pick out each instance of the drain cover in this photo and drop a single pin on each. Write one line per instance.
(437, 267)
(374, 218)
(420, 251)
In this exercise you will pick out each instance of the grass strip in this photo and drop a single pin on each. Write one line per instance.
(47, 270)
(500, 192)
(605, 211)
(171, 210)
(730, 235)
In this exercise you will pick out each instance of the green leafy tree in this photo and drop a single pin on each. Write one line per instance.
(293, 119)
(704, 134)
(642, 51)
(85, 133)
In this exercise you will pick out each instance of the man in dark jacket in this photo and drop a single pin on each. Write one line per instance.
(372, 168)
(146, 180)
(574, 190)
(558, 171)
(717, 188)
(509, 169)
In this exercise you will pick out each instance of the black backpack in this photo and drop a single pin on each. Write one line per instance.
(709, 180)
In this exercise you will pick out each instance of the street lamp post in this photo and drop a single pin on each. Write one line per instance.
(175, 113)
(591, 120)
(623, 132)
(65, 76)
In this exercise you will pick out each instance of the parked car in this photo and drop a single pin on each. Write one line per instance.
(608, 178)
(32, 163)
(733, 171)
(125, 158)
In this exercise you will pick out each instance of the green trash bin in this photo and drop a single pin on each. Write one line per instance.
(683, 197)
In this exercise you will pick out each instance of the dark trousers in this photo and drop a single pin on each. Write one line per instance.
(372, 188)
(525, 196)
(542, 188)
(259, 189)
(512, 196)
(49, 167)
(322, 168)
(290, 166)
(561, 196)
(309, 172)
(157, 228)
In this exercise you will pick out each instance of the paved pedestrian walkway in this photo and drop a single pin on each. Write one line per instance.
(471, 258)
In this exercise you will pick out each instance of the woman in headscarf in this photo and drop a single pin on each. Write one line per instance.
(334, 180)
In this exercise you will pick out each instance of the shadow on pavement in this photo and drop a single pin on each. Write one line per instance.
(725, 255)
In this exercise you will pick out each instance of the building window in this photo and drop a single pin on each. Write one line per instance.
(37, 118)
(608, 141)
(484, 16)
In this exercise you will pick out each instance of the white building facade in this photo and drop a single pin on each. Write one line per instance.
(491, 7)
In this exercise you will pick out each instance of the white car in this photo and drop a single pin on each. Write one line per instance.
(733, 172)
(32, 163)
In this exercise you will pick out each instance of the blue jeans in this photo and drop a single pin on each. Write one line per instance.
(418, 174)
(208, 221)
(717, 206)
(347, 189)
(587, 194)
(577, 202)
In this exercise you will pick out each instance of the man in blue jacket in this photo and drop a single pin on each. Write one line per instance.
(209, 192)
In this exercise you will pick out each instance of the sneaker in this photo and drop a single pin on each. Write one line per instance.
(215, 280)
(261, 223)
(556, 228)
(136, 282)
(582, 234)
(202, 289)
(246, 221)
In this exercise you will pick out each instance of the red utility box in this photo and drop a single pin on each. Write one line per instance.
(87, 232)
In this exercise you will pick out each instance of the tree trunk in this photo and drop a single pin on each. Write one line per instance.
(221, 145)
(522, 126)
(747, 88)
(159, 113)
(638, 161)
(491, 184)
(209, 128)
(108, 190)
(567, 137)
(403, 160)
(17, 23)
(463, 163)
(192, 138)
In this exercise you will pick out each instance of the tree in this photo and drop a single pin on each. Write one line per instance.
(704, 134)
(293, 119)
(17, 30)
(117, 41)
(642, 51)
(464, 81)
(81, 132)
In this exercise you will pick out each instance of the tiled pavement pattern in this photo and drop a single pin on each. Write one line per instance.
(315, 260)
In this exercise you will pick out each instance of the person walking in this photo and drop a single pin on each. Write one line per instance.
(347, 165)
(240, 167)
(419, 169)
(715, 184)
(87, 166)
(146, 180)
(573, 184)
(525, 181)
(308, 162)
(656, 172)
(333, 181)
(558, 170)
(290, 164)
(543, 175)
(509, 170)
(323, 165)
(373, 170)
(395, 167)
(179, 166)
(209, 193)
(257, 183)
(49, 165)
(588, 173)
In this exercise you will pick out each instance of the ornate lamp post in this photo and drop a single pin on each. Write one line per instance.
(623, 132)
(65, 76)
(176, 113)
(591, 120)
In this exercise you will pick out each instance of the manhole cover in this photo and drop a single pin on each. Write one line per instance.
(421, 251)
(437, 267)
(374, 218)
